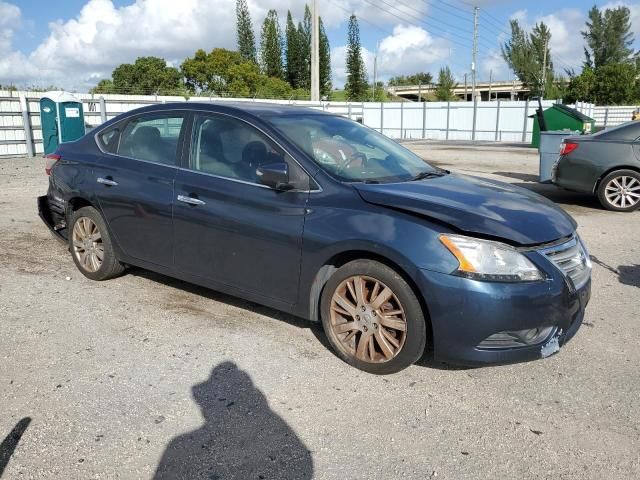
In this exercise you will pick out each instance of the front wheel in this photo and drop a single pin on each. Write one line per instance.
(372, 318)
(91, 247)
(620, 191)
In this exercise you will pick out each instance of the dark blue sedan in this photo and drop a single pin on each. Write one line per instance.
(319, 216)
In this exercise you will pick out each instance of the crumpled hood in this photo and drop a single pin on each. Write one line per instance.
(477, 206)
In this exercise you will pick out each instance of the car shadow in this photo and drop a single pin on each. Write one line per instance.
(627, 274)
(241, 438)
(315, 328)
(10, 443)
(526, 177)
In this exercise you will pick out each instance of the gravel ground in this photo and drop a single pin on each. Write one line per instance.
(145, 375)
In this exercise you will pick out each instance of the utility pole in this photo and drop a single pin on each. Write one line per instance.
(465, 88)
(315, 54)
(476, 10)
(490, 82)
(375, 74)
(544, 67)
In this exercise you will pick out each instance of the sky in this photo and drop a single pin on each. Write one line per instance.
(74, 43)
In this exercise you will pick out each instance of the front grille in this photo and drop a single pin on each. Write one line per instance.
(572, 259)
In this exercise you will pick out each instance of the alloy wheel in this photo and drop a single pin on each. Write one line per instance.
(87, 244)
(623, 191)
(368, 319)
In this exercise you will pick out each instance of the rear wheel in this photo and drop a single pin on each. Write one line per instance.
(620, 191)
(90, 245)
(372, 318)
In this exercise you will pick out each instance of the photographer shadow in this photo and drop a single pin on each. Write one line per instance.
(242, 438)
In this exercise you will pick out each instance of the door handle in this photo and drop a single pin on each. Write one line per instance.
(190, 200)
(107, 181)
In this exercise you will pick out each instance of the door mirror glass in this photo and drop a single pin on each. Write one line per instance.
(274, 175)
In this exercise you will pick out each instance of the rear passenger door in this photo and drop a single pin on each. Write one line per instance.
(135, 180)
(229, 228)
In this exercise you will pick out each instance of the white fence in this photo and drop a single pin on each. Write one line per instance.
(500, 121)
(611, 116)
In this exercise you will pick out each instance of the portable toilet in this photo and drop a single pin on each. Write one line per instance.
(62, 119)
(561, 117)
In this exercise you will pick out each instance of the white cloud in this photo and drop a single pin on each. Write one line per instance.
(79, 51)
(10, 17)
(407, 50)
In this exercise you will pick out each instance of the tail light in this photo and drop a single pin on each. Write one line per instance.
(50, 160)
(568, 147)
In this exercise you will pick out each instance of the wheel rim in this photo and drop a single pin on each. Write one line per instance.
(87, 244)
(367, 320)
(623, 191)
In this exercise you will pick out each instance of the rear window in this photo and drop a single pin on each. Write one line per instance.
(627, 131)
(152, 138)
(109, 139)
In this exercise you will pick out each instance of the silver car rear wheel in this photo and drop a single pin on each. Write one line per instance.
(620, 191)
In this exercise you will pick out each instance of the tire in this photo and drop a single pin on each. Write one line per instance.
(85, 247)
(350, 318)
(617, 191)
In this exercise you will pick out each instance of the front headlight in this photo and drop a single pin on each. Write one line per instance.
(487, 260)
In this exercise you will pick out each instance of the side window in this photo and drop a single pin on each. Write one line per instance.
(153, 138)
(109, 139)
(228, 147)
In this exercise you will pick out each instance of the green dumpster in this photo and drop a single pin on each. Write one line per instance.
(561, 117)
(62, 119)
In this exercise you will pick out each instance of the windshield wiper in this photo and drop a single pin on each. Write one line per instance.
(423, 175)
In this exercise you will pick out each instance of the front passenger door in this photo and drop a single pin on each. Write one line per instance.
(229, 228)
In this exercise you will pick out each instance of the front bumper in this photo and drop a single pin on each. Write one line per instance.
(465, 312)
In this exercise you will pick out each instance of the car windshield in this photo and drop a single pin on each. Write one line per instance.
(351, 152)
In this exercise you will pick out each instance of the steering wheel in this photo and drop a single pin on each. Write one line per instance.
(356, 156)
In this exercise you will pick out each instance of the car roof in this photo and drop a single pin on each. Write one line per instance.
(257, 109)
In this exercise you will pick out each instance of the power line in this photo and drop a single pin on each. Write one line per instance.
(390, 33)
(415, 25)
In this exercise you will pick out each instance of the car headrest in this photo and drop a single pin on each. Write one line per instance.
(254, 153)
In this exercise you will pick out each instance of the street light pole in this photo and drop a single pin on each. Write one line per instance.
(475, 52)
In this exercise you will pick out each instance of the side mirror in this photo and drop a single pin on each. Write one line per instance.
(274, 175)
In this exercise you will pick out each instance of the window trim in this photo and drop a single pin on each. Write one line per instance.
(237, 180)
(189, 116)
(122, 124)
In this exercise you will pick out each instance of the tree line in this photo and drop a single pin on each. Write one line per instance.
(611, 70)
(279, 68)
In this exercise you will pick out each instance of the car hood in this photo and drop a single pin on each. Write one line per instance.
(476, 206)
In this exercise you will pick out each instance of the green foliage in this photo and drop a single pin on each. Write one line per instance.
(445, 86)
(420, 78)
(615, 84)
(293, 54)
(304, 37)
(525, 55)
(244, 32)
(325, 62)
(104, 86)
(147, 76)
(272, 87)
(209, 72)
(610, 75)
(608, 37)
(244, 79)
(356, 86)
(582, 87)
(271, 46)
